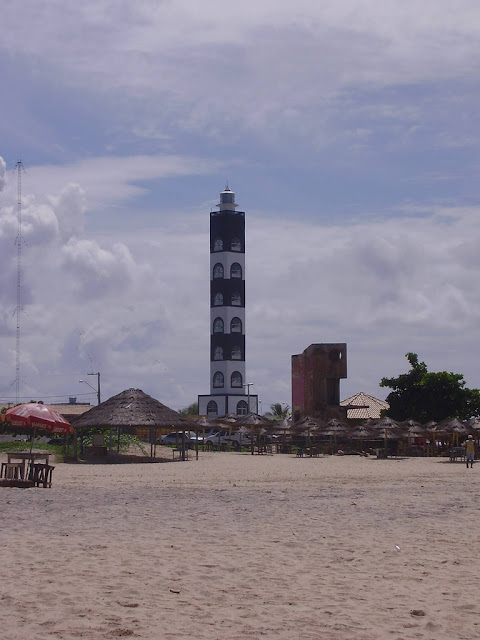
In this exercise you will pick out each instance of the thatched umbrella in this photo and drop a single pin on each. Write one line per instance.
(474, 426)
(454, 425)
(388, 428)
(205, 424)
(336, 428)
(436, 431)
(308, 425)
(253, 420)
(455, 428)
(474, 423)
(229, 417)
(411, 429)
(133, 408)
(361, 432)
(282, 428)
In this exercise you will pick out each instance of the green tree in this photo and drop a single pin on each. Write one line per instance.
(423, 395)
(279, 411)
(191, 410)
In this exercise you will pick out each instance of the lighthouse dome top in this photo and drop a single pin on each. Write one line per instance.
(227, 197)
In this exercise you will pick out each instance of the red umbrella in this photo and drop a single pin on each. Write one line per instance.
(37, 415)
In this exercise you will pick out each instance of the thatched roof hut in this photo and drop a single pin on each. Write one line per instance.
(133, 408)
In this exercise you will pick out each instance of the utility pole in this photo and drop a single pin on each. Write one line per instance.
(98, 384)
(19, 168)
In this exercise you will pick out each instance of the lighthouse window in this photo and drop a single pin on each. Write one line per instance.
(212, 409)
(218, 325)
(218, 353)
(236, 353)
(236, 299)
(218, 244)
(218, 271)
(236, 325)
(242, 408)
(218, 300)
(236, 245)
(235, 270)
(218, 380)
(236, 379)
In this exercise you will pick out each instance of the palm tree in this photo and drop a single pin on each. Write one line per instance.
(280, 411)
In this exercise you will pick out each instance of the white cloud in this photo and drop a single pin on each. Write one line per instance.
(69, 208)
(97, 272)
(392, 81)
(110, 180)
(270, 69)
(135, 305)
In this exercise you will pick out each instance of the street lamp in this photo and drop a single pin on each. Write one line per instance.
(248, 385)
(97, 390)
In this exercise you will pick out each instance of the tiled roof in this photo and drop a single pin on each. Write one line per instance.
(75, 408)
(361, 406)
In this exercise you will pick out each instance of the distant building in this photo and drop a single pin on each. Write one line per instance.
(69, 410)
(316, 375)
(227, 314)
(361, 406)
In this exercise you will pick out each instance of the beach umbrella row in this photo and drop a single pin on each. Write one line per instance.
(385, 428)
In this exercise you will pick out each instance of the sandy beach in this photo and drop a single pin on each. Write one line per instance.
(237, 546)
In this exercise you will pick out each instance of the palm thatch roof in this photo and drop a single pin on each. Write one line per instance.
(133, 408)
(336, 428)
(454, 425)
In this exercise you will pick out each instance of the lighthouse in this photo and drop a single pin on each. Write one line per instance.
(227, 314)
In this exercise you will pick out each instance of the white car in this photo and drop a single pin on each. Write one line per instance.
(176, 438)
(235, 440)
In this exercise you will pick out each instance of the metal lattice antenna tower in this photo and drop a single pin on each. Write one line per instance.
(19, 168)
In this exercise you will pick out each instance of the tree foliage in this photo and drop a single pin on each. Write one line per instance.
(191, 410)
(423, 395)
(279, 411)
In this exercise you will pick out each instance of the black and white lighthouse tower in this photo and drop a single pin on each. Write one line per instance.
(227, 314)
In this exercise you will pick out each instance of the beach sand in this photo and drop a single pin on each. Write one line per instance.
(237, 546)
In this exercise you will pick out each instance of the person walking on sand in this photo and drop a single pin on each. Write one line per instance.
(470, 451)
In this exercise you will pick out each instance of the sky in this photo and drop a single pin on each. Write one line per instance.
(349, 131)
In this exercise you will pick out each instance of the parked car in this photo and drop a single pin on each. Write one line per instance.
(235, 440)
(176, 438)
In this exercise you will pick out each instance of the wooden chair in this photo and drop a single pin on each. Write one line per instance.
(41, 474)
(12, 470)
